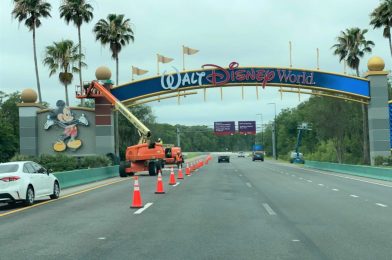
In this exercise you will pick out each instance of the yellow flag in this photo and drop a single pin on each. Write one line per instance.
(189, 51)
(164, 59)
(137, 71)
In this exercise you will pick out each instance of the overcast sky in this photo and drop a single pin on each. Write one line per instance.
(251, 32)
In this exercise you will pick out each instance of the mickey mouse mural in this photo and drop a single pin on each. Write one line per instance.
(63, 117)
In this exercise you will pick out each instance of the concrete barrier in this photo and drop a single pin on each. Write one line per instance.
(380, 173)
(79, 177)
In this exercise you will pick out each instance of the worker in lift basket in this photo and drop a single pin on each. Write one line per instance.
(159, 141)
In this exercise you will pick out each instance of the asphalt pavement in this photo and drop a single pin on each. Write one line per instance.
(236, 210)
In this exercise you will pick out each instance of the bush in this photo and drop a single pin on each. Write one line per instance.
(94, 161)
(63, 162)
(383, 161)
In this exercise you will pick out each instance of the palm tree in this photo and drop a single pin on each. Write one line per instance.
(381, 17)
(62, 56)
(116, 32)
(31, 11)
(351, 46)
(77, 11)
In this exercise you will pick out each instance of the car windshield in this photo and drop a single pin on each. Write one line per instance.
(5, 168)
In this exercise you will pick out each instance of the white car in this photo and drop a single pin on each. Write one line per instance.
(26, 181)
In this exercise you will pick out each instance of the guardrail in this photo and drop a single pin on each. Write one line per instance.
(79, 177)
(380, 173)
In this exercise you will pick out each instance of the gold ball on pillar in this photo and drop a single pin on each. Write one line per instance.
(28, 95)
(376, 63)
(103, 73)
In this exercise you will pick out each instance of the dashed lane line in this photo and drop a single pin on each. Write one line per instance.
(354, 196)
(320, 184)
(335, 189)
(139, 211)
(248, 184)
(381, 205)
(309, 181)
(177, 183)
(336, 175)
(269, 209)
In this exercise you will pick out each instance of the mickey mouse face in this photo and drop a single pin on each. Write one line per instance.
(66, 116)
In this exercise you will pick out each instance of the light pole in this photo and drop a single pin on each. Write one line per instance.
(274, 134)
(178, 136)
(261, 120)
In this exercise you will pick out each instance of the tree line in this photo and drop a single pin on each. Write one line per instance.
(336, 134)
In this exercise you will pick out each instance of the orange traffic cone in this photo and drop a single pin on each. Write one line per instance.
(172, 179)
(137, 198)
(160, 189)
(180, 175)
(187, 170)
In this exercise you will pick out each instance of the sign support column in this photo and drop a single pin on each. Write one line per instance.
(378, 116)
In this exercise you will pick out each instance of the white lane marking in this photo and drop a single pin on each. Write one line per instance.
(268, 209)
(101, 238)
(308, 180)
(176, 184)
(139, 211)
(320, 184)
(344, 177)
(301, 178)
(249, 185)
(354, 196)
(381, 205)
(292, 175)
(335, 189)
(240, 175)
(296, 240)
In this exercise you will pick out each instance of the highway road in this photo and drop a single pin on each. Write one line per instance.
(236, 210)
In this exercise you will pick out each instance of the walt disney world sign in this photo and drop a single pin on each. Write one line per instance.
(212, 75)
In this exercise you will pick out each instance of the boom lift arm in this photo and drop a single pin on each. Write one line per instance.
(143, 131)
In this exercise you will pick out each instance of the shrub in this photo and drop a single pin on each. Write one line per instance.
(94, 161)
(62, 162)
(383, 161)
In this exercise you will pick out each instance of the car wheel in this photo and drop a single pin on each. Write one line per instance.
(29, 196)
(56, 191)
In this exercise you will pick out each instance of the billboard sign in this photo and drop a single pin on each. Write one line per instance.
(234, 75)
(224, 128)
(247, 127)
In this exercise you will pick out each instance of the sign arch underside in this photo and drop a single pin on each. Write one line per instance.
(287, 79)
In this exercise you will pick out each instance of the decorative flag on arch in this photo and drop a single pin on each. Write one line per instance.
(164, 59)
(189, 51)
(138, 71)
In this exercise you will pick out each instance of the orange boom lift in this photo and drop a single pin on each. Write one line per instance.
(144, 156)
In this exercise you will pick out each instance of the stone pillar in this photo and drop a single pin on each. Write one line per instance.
(378, 116)
(28, 132)
(104, 121)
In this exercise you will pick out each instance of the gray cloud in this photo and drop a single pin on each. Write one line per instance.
(250, 32)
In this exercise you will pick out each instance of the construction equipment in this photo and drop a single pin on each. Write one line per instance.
(297, 157)
(173, 155)
(145, 156)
